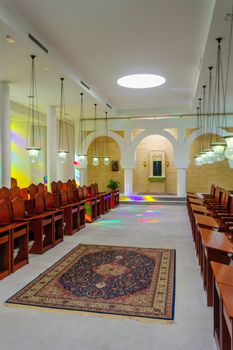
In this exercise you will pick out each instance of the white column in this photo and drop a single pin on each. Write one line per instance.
(181, 182)
(128, 184)
(51, 145)
(5, 135)
(83, 176)
(128, 164)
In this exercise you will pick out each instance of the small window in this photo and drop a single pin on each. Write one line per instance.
(157, 163)
(157, 168)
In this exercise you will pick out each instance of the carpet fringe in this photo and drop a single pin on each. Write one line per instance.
(92, 314)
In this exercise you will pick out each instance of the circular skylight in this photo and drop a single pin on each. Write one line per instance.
(141, 81)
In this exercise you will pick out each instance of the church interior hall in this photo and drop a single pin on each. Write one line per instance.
(24, 329)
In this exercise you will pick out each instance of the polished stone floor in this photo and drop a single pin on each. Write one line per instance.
(133, 225)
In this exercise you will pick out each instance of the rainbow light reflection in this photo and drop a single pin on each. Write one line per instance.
(107, 222)
(137, 199)
(144, 220)
(76, 171)
(20, 166)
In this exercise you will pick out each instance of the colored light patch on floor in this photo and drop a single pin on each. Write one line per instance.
(155, 214)
(107, 222)
(144, 220)
(137, 199)
(155, 206)
(153, 211)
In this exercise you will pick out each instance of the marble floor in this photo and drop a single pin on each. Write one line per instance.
(127, 225)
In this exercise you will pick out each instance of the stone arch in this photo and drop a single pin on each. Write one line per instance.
(150, 132)
(91, 137)
(195, 134)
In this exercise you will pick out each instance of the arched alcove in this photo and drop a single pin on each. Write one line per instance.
(103, 173)
(141, 174)
(200, 178)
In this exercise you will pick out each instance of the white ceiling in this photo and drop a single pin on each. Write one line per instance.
(99, 41)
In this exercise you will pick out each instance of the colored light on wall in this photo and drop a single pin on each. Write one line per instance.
(76, 171)
(20, 166)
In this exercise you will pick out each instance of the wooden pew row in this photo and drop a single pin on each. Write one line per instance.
(211, 218)
(34, 220)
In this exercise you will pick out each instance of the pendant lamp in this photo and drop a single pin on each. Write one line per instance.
(63, 144)
(33, 130)
(82, 157)
(106, 157)
(95, 157)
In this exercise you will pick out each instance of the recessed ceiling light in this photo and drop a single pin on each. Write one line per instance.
(9, 39)
(141, 81)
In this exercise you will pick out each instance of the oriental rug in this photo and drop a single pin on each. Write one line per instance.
(114, 280)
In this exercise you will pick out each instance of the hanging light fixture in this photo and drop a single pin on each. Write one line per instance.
(205, 155)
(218, 104)
(202, 154)
(106, 157)
(82, 158)
(33, 132)
(63, 145)
(197, 157)
(95, 157)
(210, 155)
(228, 138)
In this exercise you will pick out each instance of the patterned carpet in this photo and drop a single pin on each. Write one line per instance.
(128, 281)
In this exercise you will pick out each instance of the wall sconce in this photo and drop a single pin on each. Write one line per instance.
(144, 163)
(167, 163)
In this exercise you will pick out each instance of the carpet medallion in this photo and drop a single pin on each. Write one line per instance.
(128, 281)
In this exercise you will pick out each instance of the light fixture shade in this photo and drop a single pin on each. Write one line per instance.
(95, 160)
(197, 160)
(203, 158)
(229, 148)
(229, 153)
(210, 156)
(229, 140)
(106, 160)
(62, 155)
(33, 154)
(218, 147)
(82, 159)
(219, 157)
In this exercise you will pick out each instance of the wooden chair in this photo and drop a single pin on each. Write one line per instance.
(5, 251)
(41, 188)
(103, 196)
(55, 194)
(5, 194)
(32, 190)
(71, 214)
(24, 193)
(72, 191)
(18, 242)
(90, 205)
(72, 196)
(212, 192)
(14, 192)
(60, 186)
(13, 182)
(58, 216)
(41, 227)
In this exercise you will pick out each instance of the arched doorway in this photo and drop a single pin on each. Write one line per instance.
(103, 173)
(149, 149)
